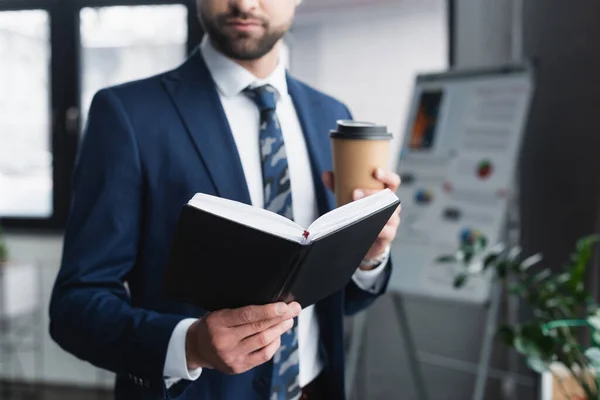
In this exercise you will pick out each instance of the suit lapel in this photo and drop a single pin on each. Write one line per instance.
(195, 95)
(316, 132)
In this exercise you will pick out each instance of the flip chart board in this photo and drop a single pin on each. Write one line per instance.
(461, 145)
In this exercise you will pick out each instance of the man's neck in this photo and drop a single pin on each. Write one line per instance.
(264, 66)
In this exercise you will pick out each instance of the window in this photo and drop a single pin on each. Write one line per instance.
(124, 43)
(25, 134)
(56, 54)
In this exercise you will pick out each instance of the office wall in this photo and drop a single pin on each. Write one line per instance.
(368, 57)
(484, 32)
(560, 167)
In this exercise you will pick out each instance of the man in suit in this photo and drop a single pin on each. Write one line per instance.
(229, 122)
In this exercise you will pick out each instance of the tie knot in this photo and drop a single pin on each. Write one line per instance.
(263, 96)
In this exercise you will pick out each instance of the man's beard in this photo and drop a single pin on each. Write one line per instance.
(240, 45)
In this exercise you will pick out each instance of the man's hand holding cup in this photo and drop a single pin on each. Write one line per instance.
(389, 180)
(360, 154)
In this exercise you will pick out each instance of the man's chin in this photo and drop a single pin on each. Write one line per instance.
(243, 46)
(246, 50)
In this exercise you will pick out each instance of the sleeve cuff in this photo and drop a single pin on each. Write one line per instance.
(176, 362)
(373, 280)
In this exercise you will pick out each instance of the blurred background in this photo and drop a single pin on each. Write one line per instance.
(55, 54)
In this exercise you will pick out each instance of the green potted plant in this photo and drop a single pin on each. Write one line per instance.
(564, 330)
(3, 249)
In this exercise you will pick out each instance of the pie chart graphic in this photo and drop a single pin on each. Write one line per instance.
(423, 197)
(485, 169)
(469, 236)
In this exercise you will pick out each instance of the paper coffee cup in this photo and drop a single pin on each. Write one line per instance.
(359, 148)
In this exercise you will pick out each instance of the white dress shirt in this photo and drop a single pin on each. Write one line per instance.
(244, 119)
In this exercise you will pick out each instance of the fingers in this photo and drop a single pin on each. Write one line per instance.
(394, 221)
(360, 193)
(253, 314)
(264, 338)
(329, 180)
(387, 234)
(265, 354)
(248, 330)
(391, 180)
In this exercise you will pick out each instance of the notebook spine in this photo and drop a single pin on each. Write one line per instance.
(283, 293)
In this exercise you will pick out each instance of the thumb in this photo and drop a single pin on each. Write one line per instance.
(329, 180)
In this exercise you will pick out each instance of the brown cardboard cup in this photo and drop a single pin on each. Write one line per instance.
(359, 148)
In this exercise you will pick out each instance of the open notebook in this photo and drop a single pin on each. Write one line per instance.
(228, 254)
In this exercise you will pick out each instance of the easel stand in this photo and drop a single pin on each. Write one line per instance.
(358, 346)
(487, 347)
(410, 348)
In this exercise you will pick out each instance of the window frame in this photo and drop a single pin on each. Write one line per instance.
(452, 19)
(65, 73)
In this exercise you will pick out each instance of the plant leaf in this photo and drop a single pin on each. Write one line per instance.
(581, 258)
(528, 339)
(518, 289)
(549, 287)
(541, 276)
(563, 278)
(587, 241)
(594, 320)
(530, 262)
(507, 335)
(537, 364)
(552, 303)
(446, 259)
(460, 280)
(526, 347)
(521, 345)
(489, 260)
(498, 248)
(481, 243)
(469, 254)
(534, 341)
(502, 270)
(533, 298)
(593, 354)
(581, 295)
(514, 253)
(514, 267)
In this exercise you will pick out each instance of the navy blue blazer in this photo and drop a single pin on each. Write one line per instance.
(149, 147)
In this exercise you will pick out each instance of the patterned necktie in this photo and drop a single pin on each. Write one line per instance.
(278, 198)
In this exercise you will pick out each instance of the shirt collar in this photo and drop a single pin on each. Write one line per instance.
(231, 78)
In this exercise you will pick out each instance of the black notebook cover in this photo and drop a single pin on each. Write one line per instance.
(217, 263)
